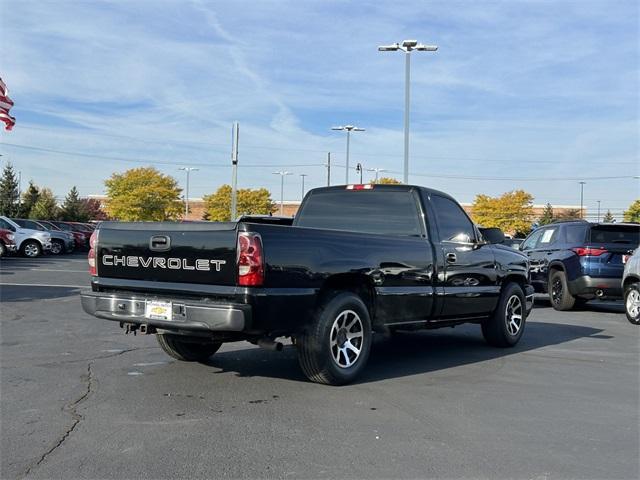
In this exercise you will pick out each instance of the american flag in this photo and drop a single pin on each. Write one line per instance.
(5, 105)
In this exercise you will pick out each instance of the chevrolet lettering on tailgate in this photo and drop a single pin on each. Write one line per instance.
(201, 264)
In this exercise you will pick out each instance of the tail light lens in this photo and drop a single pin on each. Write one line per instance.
(589, 251)
(91, 257)
(250, 260)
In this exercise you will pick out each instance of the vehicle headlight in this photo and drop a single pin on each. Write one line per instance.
(11, 236)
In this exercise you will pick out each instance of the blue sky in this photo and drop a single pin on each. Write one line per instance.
(534, 94)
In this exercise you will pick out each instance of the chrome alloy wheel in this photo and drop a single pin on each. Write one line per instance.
(513, 315)
(31, 250)
(347, 336)
(633, 303)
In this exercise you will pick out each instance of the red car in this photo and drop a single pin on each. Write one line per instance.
(7, 243)
(80, 233)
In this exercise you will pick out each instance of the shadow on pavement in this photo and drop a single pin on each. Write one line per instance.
(12, 293)
(407, 353)
(604, 306)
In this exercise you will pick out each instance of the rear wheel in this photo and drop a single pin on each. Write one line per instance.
(336, 346)
(57, 247)
(632, 303)
(559, 295)
(187, 349)
(506, 325)
(31, 249)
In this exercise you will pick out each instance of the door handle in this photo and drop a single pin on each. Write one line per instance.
(451, 257)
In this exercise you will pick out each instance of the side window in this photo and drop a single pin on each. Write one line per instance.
(530, 243)
(6, 225)
(549, 236)
(575, 233)
(453, 223)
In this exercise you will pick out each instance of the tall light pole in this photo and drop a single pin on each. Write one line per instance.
(598, 211)
(581, 198)
(359, 169)
(186, 197)
(349, 129)
(302, 175)
(377, 170)
(282, 174)
(407, 47)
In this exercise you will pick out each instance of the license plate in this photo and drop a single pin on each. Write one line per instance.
(156, 310)
(625, 258)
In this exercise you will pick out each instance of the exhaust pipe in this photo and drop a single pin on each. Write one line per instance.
(599, 293)
(270, 344)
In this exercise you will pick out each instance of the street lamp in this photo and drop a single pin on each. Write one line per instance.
(581, 198)
(302, 175)
(359, 169)
(186, 203)
(349, 129)
(598, 211)
(407, 47)
(282, 174)
(377, 170)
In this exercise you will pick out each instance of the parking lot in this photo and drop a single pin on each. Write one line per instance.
(82, 400)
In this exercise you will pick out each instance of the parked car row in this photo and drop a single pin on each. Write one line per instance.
(577, 261)
(32, 238)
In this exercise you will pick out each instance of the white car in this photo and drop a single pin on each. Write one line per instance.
(30, 243)
(631, 287)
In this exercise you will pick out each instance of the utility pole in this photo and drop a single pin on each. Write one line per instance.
(186, 197)
(407, 47)
(598, 211)
(19, 192)
(235, 137)
(377, 170)
(328, 165)
(282, 174)
(581, 198)
(302, 175)
(348, 129)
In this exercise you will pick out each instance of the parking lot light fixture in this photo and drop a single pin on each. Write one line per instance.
(378, 171)
(186, 196)
(407, 46)
(282, 174)
(348, 129)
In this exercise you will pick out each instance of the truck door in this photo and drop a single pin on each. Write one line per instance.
(467, 279)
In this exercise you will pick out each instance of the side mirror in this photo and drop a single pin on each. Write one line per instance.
(492, 235)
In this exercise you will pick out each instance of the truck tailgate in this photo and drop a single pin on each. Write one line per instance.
(168, 252)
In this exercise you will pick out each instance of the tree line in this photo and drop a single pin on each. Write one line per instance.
(146, 194)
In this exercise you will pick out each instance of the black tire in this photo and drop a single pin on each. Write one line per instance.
(187, 349)
(500, 329)
(559, 295)
(322, 351)
(631, 298)
(57, 247)
(31, 249)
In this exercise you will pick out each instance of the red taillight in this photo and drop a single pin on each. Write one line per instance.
(360, 186)
(250, 260)
(589, 251)
(91, 257)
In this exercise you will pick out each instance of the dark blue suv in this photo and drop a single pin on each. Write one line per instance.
(576, 261)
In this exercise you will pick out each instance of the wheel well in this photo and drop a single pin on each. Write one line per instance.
(629, 280)
(27, 240)
(519, 279)
(361, 285)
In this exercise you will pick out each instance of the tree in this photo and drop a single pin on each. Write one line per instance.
(143, 194)
(633, 213)
(250, 202)
(94, 210)
(46, 208)
(512, 212)
(608, 217)
(72, 209)
(547, 215)
(387, 181)
(9, 192)
(29, 199)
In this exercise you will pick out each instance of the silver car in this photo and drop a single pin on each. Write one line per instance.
(29, 242)
(631, 287)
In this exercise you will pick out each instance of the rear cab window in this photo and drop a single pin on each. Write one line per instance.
(378, 211)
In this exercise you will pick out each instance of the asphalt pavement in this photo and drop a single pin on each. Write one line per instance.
(82, 400)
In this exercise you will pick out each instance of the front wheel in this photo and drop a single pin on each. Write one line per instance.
(31, 249)
(632, 303)
(187, 349)
(336, 346)
(506, 325)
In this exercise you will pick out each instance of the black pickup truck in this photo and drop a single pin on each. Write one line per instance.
(357, 259)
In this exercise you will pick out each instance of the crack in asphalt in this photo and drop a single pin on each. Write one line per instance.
(77, 418)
